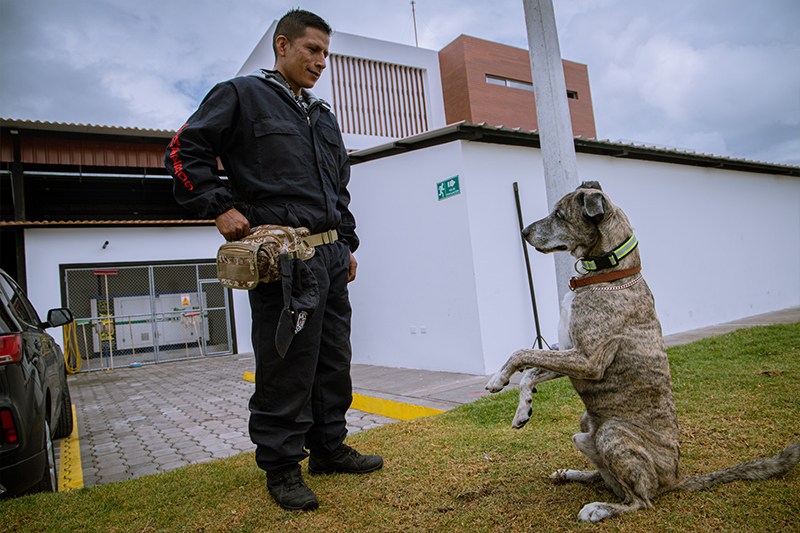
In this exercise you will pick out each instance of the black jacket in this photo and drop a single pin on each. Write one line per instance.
(289, 165)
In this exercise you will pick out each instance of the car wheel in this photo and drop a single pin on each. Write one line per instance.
(65, 421)
(49, 481)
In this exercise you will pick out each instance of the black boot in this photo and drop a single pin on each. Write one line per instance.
(345, 460)
(289, 489)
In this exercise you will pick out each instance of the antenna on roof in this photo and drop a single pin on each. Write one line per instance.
(414, 15)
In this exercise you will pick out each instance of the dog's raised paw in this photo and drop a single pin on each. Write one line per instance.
(594, 512)
(495, 386)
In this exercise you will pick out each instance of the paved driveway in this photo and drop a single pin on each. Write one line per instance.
(137, 421)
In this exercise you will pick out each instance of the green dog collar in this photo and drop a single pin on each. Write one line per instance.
(611, 259)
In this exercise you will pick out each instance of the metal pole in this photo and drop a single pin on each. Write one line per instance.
(414, 15)
(86, 347)
(133, 346)
(108, 324)
(528, 266)
(552, 113)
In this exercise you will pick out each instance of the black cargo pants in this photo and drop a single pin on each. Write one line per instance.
(300, 401)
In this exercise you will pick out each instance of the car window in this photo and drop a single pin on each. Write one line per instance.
(18, 303)
(6, 324)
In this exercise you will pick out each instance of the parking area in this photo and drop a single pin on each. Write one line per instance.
(154, 418)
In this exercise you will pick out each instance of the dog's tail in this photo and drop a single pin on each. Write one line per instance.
(751, 470)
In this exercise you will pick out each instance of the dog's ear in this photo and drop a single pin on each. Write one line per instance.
(590, 185)
(593, 206)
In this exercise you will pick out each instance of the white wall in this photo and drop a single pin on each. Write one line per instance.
(506, 311)
(47, 248)
(416, 267)
(716, 246)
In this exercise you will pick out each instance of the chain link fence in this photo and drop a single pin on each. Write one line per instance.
(132, 315)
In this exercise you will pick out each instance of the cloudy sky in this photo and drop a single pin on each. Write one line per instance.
(714, 76)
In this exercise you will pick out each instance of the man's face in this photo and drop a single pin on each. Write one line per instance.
(301, 62)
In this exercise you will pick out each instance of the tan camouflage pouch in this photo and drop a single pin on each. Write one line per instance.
(256, 258)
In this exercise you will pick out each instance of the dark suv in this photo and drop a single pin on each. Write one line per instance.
(35, 406)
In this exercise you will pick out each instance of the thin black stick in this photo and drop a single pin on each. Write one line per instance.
(539, 337)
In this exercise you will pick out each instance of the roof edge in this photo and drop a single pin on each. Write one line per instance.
(518, 137)
(102, 223)
(84, 128)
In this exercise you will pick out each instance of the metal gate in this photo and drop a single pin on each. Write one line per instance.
(133, 315)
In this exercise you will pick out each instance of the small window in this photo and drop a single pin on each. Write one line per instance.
(494, 80)
(514, 84)
(525, 86)
(572, 94)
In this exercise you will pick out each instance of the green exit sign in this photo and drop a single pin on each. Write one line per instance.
(448, 188)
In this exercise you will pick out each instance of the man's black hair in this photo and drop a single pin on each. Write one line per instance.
(294, 23)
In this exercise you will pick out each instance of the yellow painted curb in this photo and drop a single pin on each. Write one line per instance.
(70, 475)
(391, 408)
(379, 406)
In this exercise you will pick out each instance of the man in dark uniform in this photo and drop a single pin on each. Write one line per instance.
(284, 156)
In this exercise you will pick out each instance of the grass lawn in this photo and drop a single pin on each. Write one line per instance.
(738, 398)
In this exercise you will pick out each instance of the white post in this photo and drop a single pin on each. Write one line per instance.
(552, 113)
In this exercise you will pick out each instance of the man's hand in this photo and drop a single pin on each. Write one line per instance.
(233, 225)
(353, 267)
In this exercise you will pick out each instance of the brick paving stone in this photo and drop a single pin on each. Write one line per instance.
(89, 481)
(103, 449)
(209, 441)
(172, 466)
(166, 459)
(111, 470)
(105, 480)
(184, 444)
(190, 450)
(161, 452)
(141, 460)
(140, 452)
(108, 461)
(222, 454)
(143, 470)
(156, 445)
(197, 457)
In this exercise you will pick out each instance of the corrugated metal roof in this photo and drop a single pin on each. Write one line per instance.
(57, 223)
(83, 128)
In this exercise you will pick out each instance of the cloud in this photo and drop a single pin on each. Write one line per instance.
(703, 76)
(714, 76)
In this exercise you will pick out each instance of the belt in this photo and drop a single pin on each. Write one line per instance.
(326, 237)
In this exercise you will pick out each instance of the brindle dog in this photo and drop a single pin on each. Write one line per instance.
(616, 359)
